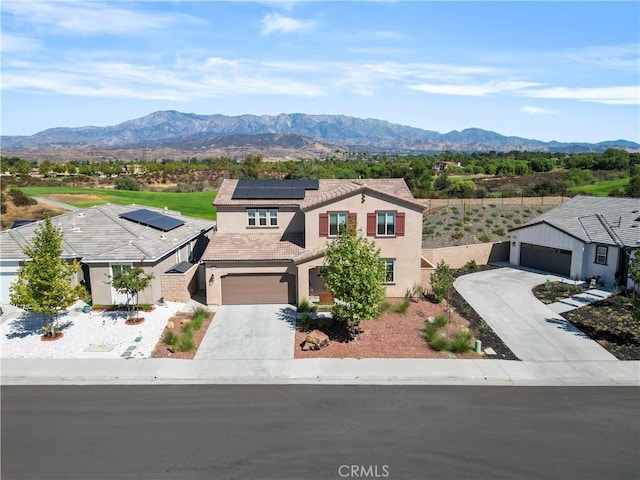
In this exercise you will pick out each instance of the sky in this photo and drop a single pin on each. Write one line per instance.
(565, 71)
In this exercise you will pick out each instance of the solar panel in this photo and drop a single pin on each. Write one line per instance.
(247, 189)
(152, 219)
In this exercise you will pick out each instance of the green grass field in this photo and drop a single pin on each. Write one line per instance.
(601, 189)
(191, 204)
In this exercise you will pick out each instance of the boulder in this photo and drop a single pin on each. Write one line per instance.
(306, 346)
(170, 324)
(316, 337)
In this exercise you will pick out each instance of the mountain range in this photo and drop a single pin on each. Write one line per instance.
(320, 134)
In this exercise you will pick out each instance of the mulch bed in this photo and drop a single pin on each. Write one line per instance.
(391, 335)
(610, 322)
(162, 350)
(556, 291)
(481, 330)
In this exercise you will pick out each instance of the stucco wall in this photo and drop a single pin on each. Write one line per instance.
(547, 236)
(591, 269)
(456, 257)
(234, 219)
(405, 250)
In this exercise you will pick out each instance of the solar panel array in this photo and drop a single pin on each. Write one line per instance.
(152, 219)
(273, 189)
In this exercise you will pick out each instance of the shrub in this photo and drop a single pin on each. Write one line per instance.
(430, 331)
(401, 307)
(460, 343)
(304, 305)
(127, 183)
(457, 235)
(185, 342)
(428, 230)
(170, 338)
(470, 267)
(20, 199)
(484, 238)
(440, 320)
(439, 343)
(304, 323)
(196, 322)
(517, 221)
(441, 281)
(499, 231)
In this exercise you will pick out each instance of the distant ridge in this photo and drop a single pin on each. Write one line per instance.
(187, 130)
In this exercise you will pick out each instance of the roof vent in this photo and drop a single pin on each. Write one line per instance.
(163, 236)
(81, 214)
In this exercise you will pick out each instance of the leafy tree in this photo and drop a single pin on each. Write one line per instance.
(442, 182)
(633, 187)
(130, 283)
(442, 281)
(44, 282)
(354, 276)
(252, 166)
(127, 183)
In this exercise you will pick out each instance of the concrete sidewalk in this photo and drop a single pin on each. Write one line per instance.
(317, 371)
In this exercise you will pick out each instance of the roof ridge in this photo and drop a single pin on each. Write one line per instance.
(609, 230)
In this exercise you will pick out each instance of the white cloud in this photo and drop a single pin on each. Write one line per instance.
(473, 90)
(617, 95)
(88, 18)
(17, 43)
(276, 23)
(625, 56)
(537, 110)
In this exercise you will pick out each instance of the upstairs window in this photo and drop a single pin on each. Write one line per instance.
(386, 224)
(262, 217)
(336, 220)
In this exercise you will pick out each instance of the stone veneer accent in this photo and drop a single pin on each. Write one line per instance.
(180, 287)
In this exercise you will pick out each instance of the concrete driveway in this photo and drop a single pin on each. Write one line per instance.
(534, 332)
(250, 332)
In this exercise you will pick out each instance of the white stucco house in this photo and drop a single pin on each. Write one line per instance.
(583, 238)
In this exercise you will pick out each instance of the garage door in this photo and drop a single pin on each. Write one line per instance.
(6, 279)
(554, 260)
(255, 289)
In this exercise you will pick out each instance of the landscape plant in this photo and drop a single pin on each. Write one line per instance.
(354, 274)
(44, 282)
(130, 283)
(442, 281)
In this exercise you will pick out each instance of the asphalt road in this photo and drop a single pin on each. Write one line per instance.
(320, 432)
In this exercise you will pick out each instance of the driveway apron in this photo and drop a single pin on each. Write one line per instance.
(534, 332)
(250, 332)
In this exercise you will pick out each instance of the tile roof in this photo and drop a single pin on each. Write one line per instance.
(254, 246)
(328, 190)
(606, 220)
(98, 234)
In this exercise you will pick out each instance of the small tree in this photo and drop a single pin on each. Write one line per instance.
(44, 282)
(354, 276)
(131, 283)
(441, 281)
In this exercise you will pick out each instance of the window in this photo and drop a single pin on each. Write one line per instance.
(389, 271)
(119, 270)
(386, 223)
(601, 254)
(262, 217)
(336, 220)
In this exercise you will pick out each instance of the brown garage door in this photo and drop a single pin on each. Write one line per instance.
(258, 288)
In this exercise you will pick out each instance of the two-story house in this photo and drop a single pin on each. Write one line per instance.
(272, 235)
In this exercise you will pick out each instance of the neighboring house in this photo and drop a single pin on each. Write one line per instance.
(583, 238)
(271, 236)
(109, 239)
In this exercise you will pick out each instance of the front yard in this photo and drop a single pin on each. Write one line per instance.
(400, 335)
(609, 322)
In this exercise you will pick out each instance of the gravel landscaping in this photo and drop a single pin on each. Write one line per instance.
(86, 335)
